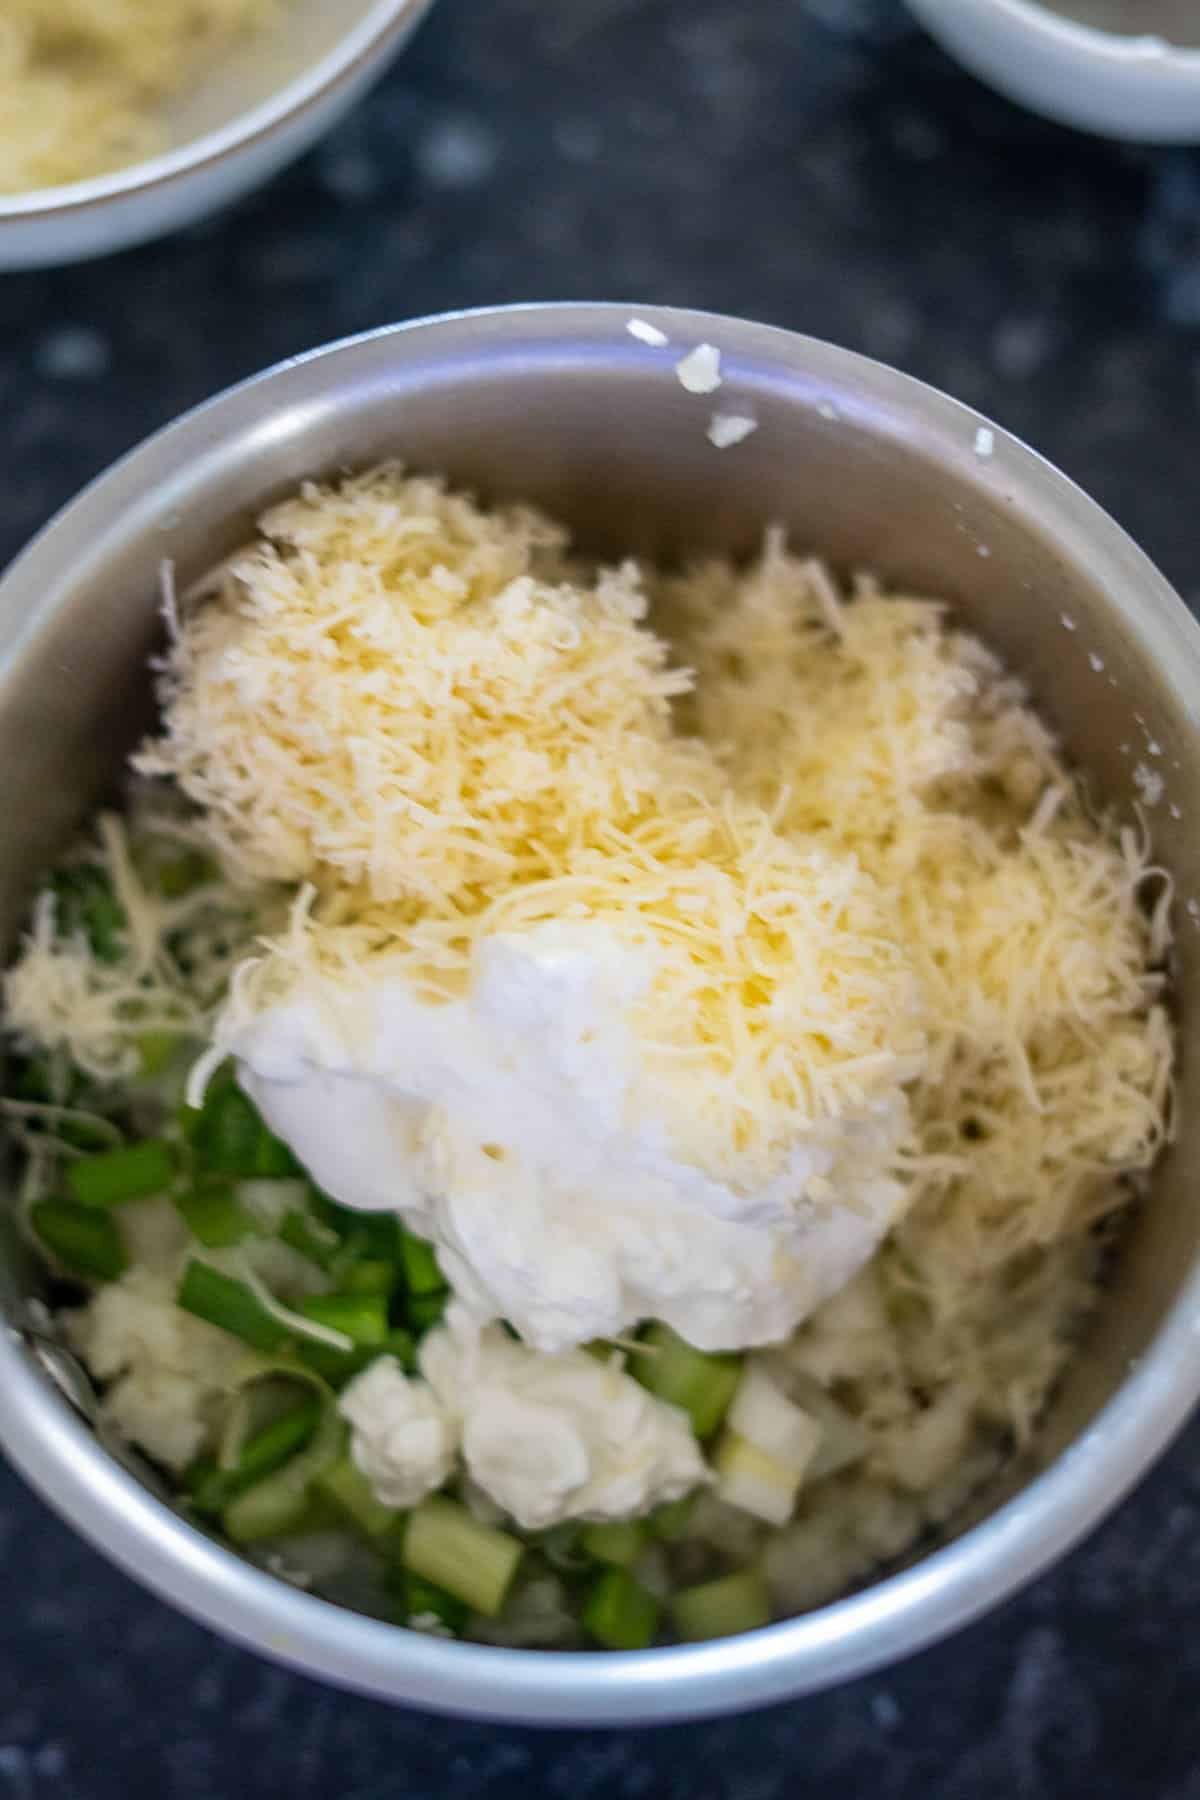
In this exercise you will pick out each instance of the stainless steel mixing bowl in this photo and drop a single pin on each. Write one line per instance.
(562, 406)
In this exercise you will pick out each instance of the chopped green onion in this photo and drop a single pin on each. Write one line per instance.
(421, 1272)
(293, 1322)
(735, 1603)
(560, 1545)
(764, 1416)
(85, 1134)
(340, 1366)
(424, 1311)
(310, 1237)
(337, 1367)
(87, 903)
(83, 1239)
(182, 874)
(421, 1599)
(213, 1215)
(311, 1513)
(32, 1081)
(752, 1479)
(230, 1304)
(212, 1487)
(225, 1136)
(375, 1235)
(843, 1440)
(265, 1201)
(702, 1382)
(114, 1176)
(341, 1219)
(369, 1277)
(616, 1541)
(362, 1317)
(619, 1613)
(474, 1562)
(280, 1502)
(229, 1137)
(156, 1051)
(344, 1483)
(275, 1161)
(355, 1247)
(269, 1198)
(671, 1521)
(399, 1343)
(62, 1123)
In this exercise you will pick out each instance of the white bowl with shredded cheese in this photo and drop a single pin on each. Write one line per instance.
(111, 133)
(603, 417)
(1120, 68)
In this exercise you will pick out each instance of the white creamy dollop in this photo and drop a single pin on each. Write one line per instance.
(529, 1134)
(402, 1439)
(546, 1437)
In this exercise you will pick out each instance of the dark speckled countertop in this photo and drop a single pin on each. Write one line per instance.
(816, 163)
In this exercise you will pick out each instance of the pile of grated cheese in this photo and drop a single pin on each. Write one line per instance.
(396, 692)
(168, 972)
(82, 82)
(424, 712)
(870, 724)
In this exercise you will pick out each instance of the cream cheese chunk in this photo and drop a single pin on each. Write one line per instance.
(546, 1437)
(402, 1439)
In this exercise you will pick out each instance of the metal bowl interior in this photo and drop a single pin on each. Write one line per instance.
(559, 405)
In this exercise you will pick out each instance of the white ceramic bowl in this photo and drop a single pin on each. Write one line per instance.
(1138, 88)
(233, 130)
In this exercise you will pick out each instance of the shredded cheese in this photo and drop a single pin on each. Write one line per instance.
(170, 967)
(386, 692)
(82, 81)
(415, 707)
(1038, 934)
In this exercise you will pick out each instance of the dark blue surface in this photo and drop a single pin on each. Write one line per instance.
(818, 164)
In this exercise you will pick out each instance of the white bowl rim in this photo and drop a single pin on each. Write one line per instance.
(890, 1620)
(1146, 51)
(368, 38)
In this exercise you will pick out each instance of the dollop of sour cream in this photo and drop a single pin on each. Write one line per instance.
(524, 1132)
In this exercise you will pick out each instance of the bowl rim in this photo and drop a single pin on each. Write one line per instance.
(372, 36)
(896, 1616)
(1145, 51)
